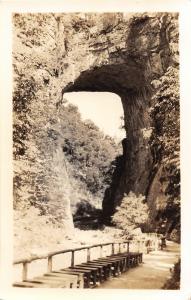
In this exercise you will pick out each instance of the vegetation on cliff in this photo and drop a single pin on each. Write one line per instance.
(166, 145)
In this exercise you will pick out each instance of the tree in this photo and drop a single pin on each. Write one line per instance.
(132, 212)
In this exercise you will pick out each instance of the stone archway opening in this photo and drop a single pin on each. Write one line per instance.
(101, 113)
(127, 81)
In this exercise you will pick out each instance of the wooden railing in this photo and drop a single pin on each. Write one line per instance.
(50, 256)
(140, 247)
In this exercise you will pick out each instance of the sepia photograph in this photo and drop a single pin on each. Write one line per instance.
(96, 146)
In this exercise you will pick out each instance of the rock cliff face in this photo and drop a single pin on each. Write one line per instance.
(134, 56)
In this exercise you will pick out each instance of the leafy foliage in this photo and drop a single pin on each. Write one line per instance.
(174, 282)
(132, 212)
(166, 142)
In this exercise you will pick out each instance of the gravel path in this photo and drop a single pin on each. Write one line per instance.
(152, 274)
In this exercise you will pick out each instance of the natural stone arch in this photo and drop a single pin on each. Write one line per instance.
(129, 83)
(128, 56)
(130, 65)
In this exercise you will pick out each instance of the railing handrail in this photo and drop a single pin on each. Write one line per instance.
(50, 254)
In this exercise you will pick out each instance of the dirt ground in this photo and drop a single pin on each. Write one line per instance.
(152, 274)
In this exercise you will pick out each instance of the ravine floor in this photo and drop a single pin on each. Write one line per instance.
(152, 274)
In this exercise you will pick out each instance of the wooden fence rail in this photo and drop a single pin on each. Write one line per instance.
(50, 256)
(141, 244)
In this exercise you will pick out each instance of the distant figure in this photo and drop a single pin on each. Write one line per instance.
(163, 242)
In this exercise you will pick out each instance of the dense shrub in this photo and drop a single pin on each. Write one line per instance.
(174, 282)
(132, 213)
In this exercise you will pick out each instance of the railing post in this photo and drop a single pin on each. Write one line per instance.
(113, 249)
(49, 263)
(138, 245)
(122, 247)
(127, 247)
(101, 251)
(88, 254)
(157, 242)
(72, 259)
(119, 247)
(24, 271)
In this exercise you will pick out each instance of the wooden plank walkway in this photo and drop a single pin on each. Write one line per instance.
(87, 274)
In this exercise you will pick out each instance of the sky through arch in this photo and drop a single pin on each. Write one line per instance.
(103, 108)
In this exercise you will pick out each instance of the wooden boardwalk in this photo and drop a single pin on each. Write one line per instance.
(88, 274)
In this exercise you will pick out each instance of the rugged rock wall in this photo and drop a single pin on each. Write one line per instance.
(127, 54)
